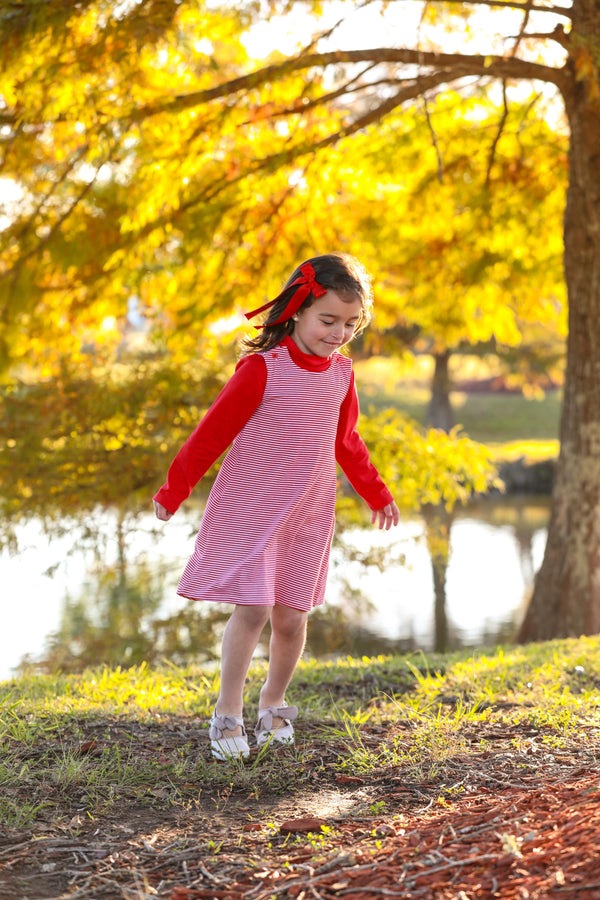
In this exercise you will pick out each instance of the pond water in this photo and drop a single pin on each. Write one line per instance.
(104, 591)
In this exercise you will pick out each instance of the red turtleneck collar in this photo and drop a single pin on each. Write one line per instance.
(306, 360)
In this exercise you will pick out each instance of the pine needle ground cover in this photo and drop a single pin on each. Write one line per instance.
(465, 776)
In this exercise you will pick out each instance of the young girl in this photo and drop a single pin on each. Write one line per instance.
(291, 410)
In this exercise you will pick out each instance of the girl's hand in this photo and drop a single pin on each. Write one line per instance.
(161, 513)
(388, 516)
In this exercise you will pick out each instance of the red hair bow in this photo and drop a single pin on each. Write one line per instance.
(307, 283)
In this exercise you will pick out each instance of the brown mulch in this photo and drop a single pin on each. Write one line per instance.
(507, 823)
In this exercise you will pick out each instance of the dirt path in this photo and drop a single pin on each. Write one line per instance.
(519, 820)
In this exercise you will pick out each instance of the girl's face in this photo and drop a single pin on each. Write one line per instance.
(326, 325)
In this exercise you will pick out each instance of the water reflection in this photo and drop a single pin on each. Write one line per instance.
(487, 555)
(112, 589)
(117, 620)
(438, 526)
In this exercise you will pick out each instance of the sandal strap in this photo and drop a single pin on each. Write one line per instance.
(266, 716)
(219, 724)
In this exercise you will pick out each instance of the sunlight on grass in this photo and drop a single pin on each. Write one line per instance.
(170, 689)
(554, 687)
(505, 418)
(416, 716)
(537, 670)
(524, 426)
(532, 451)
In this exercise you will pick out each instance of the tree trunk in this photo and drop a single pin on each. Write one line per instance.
(438, 521)
(566, 597)
(439, 413)
(438, 524)
(439, 570)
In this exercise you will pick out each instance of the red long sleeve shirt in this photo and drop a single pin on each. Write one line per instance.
(232, 409)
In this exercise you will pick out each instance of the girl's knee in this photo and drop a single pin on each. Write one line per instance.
(252, 616)
(288, 622)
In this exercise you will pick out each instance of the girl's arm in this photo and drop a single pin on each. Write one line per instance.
(353, 456)
(237, 402)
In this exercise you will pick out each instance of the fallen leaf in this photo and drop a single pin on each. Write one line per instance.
(302, 826)
(88, 746)
(349, 779)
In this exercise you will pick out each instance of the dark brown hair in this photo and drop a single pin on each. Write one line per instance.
(337, 272)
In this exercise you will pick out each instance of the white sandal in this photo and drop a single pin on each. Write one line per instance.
(280, 734)
(227, 748)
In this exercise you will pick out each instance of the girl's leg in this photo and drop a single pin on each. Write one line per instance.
(288, 636)
(239, 643)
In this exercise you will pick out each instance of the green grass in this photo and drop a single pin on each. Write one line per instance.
(106, 738)
(549, 675)
(501, 420)
(486, 417)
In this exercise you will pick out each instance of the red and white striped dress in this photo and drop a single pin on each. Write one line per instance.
(267, 527)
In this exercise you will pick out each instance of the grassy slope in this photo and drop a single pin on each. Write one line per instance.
(92, 741)
(511, 423)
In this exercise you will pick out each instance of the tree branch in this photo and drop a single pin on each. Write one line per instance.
(498, 135)
(557, 35)
(14, 271)
(495, 66)
(287, 156)
(434, 140)
(506, 4)
(374, 115)
(518, 39)
(349, 87)
(56, 183)
(476, 65)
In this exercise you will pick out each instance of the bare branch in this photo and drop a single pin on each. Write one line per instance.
(518, 40)
(557, 35)
(374, 115)
(497, 137)
(434, 139)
